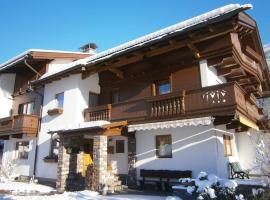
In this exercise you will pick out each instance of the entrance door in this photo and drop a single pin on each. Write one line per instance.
(87, 155)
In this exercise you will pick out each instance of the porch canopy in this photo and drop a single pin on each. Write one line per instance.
(93, 128)
(171, 124)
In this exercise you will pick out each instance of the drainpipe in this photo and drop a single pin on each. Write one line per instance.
(32, 68)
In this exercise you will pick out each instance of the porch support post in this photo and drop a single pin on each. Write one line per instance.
(100, 162)
(62, 166)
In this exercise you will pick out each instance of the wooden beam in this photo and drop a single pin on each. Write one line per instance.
(253, 54)
(226, 62)
(112, 132)
(226, 71)
(4, 137)
(115, 124)
(117, 72)
(233, 125)
(194, 50)
(211, 28)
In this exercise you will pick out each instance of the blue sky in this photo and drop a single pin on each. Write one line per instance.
(68, 24)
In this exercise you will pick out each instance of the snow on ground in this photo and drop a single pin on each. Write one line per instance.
(22, 187)
(83, 195)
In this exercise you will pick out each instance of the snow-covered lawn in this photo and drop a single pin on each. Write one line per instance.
(33, 191)
(83, 195)
(24, 188)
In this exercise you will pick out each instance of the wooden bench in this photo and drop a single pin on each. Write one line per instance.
(162, 176)
(237, 171)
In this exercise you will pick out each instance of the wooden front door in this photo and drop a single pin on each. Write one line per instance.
(87, 155)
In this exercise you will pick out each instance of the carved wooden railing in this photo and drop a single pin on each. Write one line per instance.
(97, 113)
(27, 124)
(168, 105)
(218, 100)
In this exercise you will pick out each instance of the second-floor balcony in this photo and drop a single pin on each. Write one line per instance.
(19, 124)
(218, 100)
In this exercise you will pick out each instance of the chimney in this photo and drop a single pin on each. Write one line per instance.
(89, 48)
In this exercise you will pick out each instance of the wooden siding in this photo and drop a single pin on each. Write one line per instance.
(219, 100)
(20, 124)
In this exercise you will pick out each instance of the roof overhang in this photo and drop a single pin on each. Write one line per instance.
(42, 54)
(195, 23)
(93, 128)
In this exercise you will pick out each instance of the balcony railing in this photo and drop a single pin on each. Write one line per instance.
(98, 113)
(17, 124)
(218, 100)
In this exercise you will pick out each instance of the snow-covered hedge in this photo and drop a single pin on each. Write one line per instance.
(212, 187)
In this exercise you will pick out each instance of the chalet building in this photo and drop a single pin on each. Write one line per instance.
(21, 104)
(183, 98)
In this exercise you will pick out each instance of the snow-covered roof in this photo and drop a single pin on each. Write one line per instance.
(22, 55)
(155, 36)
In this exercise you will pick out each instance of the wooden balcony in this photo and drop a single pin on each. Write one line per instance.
(218, 100)
(19, 124)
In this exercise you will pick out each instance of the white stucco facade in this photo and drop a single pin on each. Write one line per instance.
(58, 64)
(195, 148)
(7, 82)
(76, 94)
(25, 167)
(120, 159)
(209, 75)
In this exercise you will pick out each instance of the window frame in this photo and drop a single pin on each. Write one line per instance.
(57, 101)
(94, 94)
(122, 143)
(54, 145)
(227, 143)
(24, 154)
(157, 140)
(158, 83)
(25, 107)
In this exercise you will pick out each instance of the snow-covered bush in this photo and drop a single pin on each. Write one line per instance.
(211, 187)
(8, 172)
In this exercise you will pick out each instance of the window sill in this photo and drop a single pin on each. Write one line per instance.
(55, 111)
(50, 159)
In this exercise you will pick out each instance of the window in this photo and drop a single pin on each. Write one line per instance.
(26, 108)
(120, 146)
(93, 99)
(22, 149)
(162, 87)
(164, 146)
(54, 148)
(115, 97)
(59, 100)
(227, 145)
